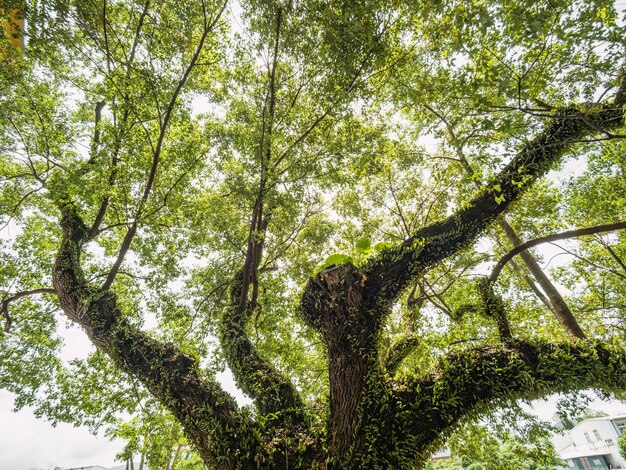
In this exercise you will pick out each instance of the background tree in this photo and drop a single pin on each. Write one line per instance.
(475, 447)
(249, 184)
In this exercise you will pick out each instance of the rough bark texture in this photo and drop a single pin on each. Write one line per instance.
(471, 381)
(333, 305)
(209, 415)
(272, 392)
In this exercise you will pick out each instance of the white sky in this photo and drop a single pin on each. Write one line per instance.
(27, 442)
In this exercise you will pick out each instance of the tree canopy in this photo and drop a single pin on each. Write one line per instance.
(311, 194)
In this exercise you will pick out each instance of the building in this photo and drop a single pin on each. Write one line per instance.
(442, 454)
(592, 444)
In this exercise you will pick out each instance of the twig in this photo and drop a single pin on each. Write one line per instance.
(4, 306)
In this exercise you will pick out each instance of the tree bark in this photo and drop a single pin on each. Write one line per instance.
(209, 416)
(333, 305)
(468, 383)
(554, 301)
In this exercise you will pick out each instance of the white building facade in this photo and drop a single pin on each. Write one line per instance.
(592, 444)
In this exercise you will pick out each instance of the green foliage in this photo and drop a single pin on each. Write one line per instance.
(348, 127)
(476, 447)
(621, 445)
(155, 438)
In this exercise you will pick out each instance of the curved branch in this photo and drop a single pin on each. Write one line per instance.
(209, 415)
(4, 306)
(256, 376)
(390, 272)
(551, 238)
(478, 380)
(272, 392)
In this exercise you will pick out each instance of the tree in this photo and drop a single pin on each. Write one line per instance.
(486, 451)
(201, 183)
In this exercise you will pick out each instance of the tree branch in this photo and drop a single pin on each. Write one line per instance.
(128, 238)
(614, 255)
(4, 306)
(272, 392)
(391, 271)
(95, 141)
(399, 351)
(551, 238)
(554, 300)
(104, 205)
(478, 380)
(209, 415)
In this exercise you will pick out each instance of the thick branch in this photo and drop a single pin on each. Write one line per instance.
(551, 238)
(255, 375)
(478, 380)
(391, 271)
(208, 414)
(95, 141)
(554, 300)
(492, 306)
(272, 392)
(399, 351)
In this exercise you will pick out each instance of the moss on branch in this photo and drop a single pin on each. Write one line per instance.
(399, 351)
(390, 272)
(471, 383)
(209, 416)
(272, 392)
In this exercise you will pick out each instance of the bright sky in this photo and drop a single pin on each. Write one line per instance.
(28, 443)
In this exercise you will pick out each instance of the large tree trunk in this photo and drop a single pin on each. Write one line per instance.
(333, 305)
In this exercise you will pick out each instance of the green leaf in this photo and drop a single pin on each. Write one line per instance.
(382, 246)
(364, 246)
(336, 259)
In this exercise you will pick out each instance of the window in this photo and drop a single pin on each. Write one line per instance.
(597, 434)
(609, 442)
(590, 442)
